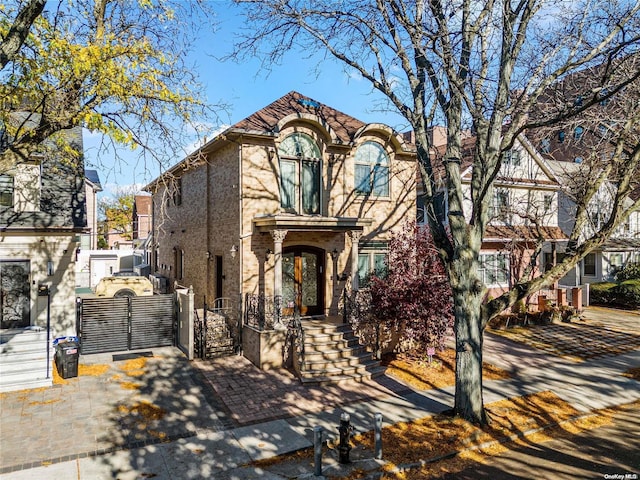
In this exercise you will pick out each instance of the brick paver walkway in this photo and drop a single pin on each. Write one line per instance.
(254, 395)
(102, 412)
(595, 336)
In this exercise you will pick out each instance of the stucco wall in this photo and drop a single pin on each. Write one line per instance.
(39, 249)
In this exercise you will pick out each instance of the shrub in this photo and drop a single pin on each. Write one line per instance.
(601, 293)
(415, 297)
(627, 294)
(631, 271)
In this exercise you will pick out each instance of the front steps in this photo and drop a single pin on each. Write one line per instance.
(333, 354)
(23, 359)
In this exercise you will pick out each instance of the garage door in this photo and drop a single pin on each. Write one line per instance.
(126, 323)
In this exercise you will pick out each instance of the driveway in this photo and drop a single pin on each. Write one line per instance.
(600, 332)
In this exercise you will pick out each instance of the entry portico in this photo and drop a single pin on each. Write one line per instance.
(305, 268)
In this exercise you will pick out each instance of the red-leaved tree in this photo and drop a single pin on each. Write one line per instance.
(414, 297)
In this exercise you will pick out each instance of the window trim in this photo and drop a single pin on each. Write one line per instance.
(8, 191)
(373, 168)
(496, 273)
(371, 251)
(594, 265)
(299, 161)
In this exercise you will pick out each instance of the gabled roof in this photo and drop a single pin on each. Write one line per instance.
(267, 119)
(468, 145)
(342, 129)
(522, 233)
(93, 177)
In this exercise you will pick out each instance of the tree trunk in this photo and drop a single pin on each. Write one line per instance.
(469, 336)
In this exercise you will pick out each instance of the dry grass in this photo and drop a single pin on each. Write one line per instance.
(440, 435)
(633, 373)
(443, 436)
(440, 372)
(146, 411)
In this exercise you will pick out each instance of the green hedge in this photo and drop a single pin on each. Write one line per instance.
(624, 294)
(601, 293)
(631, 271)
(627, 293)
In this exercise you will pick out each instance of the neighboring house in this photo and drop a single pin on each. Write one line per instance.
(584, 144)
(141, 217)
(523, 212)
(291, 204)
(89, 241)
(142, 226)
(116, 240)
(42, 215)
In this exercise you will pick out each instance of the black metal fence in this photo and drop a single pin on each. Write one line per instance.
(263, 312)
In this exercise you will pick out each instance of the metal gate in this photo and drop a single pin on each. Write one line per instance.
(126, 323)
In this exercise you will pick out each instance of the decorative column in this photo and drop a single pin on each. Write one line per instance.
(278, 238)
(355, 236)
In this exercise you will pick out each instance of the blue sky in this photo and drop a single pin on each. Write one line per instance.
(246, 89)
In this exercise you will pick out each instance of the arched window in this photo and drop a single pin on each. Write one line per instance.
(300, 174)
(372, 170)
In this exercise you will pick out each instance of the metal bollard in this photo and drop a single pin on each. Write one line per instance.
(377, 429)
(345, 433)
(317, 451)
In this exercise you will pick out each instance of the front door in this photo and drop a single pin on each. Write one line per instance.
(15, 308)
(303, 280)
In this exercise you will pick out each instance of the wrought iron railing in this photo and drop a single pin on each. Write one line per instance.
(264, 312)
(295, 339)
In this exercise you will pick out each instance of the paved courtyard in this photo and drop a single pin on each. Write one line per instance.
(600, 333)
(111, 405)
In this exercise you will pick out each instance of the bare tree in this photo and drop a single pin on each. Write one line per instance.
(480, 66)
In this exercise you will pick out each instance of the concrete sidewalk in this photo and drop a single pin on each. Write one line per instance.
(205, 440)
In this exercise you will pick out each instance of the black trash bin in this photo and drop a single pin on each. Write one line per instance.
(67, 356)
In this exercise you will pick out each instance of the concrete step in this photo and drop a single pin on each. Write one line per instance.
(317, 354)
(23, 359)
(25, 375)
(21, 364)
(346, 361)
(318, 327)
(25, 355)
(342, 377)
(324, 344)
(355, 368)
(12, 341)
(24, 384)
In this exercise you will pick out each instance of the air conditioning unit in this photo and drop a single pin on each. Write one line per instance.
(143, 269)
(160, 283)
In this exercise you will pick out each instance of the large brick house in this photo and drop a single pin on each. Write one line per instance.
(293, 203)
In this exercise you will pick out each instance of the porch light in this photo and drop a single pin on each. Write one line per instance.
(233, 251)
(267, 253)
(334, 253)
(207, 254)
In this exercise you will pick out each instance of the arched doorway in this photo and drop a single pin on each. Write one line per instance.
(303, 280)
